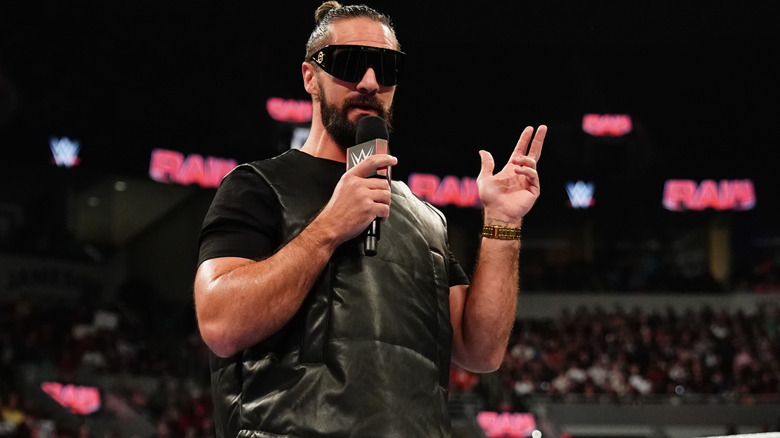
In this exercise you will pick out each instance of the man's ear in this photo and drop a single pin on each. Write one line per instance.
(309, 73)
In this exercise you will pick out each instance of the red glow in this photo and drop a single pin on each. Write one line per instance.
(423, 185)
(683, 194)
(461, 192)
(289, 110)
(173, 167)
(448, 192)
(506, 424)
(82, 400)
(607, 125)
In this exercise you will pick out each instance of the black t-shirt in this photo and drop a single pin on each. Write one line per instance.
(244, 219)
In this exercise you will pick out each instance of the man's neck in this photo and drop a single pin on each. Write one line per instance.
(321, 145)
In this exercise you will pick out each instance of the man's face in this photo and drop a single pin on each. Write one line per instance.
(343, 104)
(336, 116)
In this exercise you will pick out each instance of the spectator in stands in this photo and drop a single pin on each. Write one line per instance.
(12, 418)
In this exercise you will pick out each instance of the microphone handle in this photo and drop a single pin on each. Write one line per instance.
(371, 238)
(372, 235)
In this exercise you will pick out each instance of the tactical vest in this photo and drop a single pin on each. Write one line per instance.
(368, 353)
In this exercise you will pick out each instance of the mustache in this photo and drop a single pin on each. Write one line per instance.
(364, 102)
(370, 102)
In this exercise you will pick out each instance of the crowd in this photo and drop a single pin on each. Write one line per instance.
(585, 354)
(148, 361)
(594, 354)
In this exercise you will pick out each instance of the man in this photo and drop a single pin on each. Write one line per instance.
(313, 338)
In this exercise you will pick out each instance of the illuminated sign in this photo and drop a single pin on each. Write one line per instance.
(580, 194)
(289, 110)
(607, 125)
(685, 194)
(173, 167)
(81, 400)
(65, 151)
(506, 424)
(461, 192)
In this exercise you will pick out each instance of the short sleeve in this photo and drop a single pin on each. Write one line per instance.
(243, 219)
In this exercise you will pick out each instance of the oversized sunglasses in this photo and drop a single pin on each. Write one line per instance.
(349, 63)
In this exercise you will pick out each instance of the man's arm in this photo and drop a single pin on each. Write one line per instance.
(483, 313)
(239, 302)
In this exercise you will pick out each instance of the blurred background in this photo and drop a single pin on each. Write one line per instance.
(650, 264)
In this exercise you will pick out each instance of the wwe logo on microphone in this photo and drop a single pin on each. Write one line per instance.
(65, 151)
(363, 153)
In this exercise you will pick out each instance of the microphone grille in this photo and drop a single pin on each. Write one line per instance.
(370, 128)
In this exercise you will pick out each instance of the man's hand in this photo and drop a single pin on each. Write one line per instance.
(358, 200)
(482, 314)
(508, 195)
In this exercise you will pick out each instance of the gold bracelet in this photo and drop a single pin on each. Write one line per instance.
(501, 233)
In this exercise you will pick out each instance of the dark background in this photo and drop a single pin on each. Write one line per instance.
(699, 80)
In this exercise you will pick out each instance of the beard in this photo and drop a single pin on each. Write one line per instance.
(335, 120)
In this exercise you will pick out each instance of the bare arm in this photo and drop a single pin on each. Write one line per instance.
(240, 302)
(483, 313)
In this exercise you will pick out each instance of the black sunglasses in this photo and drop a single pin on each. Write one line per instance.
(349, 63)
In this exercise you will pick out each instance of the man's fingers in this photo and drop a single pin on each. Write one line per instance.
(536, 144)
(522, 143)
(524, 160)
(535, 149)
(372, 163)
(379, 190)
(530, 173)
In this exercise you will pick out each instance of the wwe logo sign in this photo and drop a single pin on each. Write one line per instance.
(65, 151)
(580, 194)
(358, 154)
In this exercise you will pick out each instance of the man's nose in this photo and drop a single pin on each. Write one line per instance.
(368, 84)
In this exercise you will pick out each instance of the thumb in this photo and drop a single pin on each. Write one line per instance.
(487, 163)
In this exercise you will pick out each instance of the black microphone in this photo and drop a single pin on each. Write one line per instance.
(371, 139)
